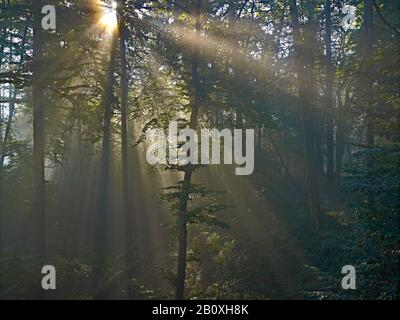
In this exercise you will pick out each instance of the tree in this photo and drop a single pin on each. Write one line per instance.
(182, 212)
(11, 102)
(329, 91)
(304, 64)
(38, 99)
(124, 130)
(107, 104)
(368, 76)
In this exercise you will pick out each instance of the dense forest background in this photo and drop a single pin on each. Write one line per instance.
(77, 193)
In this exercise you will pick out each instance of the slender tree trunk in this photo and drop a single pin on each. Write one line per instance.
(38, 131)
(124, 134)
(329, 93)
(7, 132)
(319, 126)
(283, 163)
(103, 203)
(341, 131)
(182, 213)
(11, 107)
(304, 64)
(2, 41)
(367, 85)
(367, 76)
(259, 138)
(3, 32)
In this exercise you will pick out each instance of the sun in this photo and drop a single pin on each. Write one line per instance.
(108, 19)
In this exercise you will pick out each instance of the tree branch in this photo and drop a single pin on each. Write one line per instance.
(385, 22)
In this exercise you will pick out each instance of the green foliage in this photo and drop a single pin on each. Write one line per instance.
(210, 203)
(376, 224)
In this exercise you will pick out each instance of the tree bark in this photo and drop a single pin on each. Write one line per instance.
(304, 64)
(182, 213)
(11, 107)
(7, 131)
(329, 93)
(368, 77)
(39, 213)
(367, 85)
(341, 131)
(124, 133)
(102, 206)
(3, 32)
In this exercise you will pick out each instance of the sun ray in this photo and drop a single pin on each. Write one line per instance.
(108, 16)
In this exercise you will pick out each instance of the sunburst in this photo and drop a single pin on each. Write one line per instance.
(108, 18)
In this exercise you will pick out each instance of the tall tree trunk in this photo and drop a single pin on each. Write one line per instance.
(102, 206)
(283, 163)
(38, 131)
(341, 131)
(124, 133)
(7, 132)
(11, 106)
(367, 85)
(367, 76)
(182, 213)
(329, 93)
(3, 35)
(304, 64)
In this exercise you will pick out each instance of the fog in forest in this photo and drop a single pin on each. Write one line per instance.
(84, 83)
